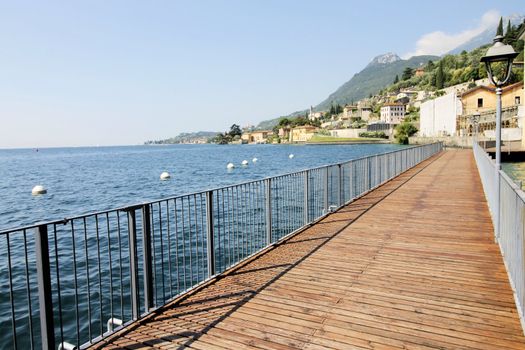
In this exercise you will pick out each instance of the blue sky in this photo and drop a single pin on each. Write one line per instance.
(121, 72)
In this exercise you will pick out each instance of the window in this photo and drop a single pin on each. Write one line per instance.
(480, 102)
(517, 100)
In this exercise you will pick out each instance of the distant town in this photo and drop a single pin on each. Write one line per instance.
(444, 98)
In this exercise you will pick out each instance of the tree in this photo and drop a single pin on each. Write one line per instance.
(284, 122)
(499, 31)
(440, 77)
(511, 35)
(407, 73)
(332, 109)
(396, 79)
(235, 130)
(403, 131)
(222, 139)
(430, 66)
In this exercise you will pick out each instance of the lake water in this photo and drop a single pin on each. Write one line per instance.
(82, 180)
(516, 172)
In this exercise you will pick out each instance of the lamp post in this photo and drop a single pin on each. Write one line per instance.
(474, 120)
(498, 53)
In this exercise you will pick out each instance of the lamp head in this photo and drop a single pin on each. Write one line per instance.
(499, 53)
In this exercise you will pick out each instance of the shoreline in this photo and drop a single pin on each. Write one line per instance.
(364, 142)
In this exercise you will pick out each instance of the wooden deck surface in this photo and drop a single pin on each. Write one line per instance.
(411, 265)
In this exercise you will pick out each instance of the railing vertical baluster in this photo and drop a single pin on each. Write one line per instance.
(133, 265)
(209, 234)
(147, 258)
(44, 287)
(268, 206)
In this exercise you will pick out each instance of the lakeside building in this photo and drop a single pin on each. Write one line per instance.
(364, 110)
(302, 133)
(482, 100)
(402, 98)
(349, 112)
(284, 134)
(393, 113)
(256, 136)
(314, 115)
(438, 117)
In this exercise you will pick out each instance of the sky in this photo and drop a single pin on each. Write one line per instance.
(87, 73)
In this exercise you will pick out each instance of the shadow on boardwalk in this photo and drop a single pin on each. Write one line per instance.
(410, 265)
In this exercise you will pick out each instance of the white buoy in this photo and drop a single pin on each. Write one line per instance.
(255, 160)
(38, 189)
(230, 166)
(244, 162)
(291, 156)
(165, 175)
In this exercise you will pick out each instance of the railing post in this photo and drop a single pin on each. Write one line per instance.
(367, 177)
(378, 171)
(306, 196)
(133, 266)
(351, 179)
(268, 206)
(147, 258)
(325, 194)
(340, 189)
(210, 245)
(44, 287)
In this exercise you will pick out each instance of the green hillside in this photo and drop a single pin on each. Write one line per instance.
(370, 80)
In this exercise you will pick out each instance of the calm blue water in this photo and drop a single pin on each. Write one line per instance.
(80, 180)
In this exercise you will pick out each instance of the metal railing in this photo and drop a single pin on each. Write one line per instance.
(69, 283)
(510, 216)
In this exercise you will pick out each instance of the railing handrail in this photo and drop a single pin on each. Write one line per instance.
(128, 207)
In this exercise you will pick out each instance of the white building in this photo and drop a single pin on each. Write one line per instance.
(438, 116)
(393, 113)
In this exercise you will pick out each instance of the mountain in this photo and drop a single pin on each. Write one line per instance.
(486, 36)
(386, 58)
(380, 72)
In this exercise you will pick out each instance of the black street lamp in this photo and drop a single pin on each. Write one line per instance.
(498, 53)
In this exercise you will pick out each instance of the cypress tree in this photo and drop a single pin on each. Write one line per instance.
(396, 79)
(407, 73)
(499, 31)
(440, 77)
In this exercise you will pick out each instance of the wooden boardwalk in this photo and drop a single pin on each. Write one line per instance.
(411, 265)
